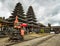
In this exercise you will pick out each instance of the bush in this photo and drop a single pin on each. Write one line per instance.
(41, 30)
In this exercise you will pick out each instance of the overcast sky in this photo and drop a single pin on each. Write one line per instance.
(46, 11)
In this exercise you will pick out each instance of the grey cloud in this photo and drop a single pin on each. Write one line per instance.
(47, 2)
(46, 10)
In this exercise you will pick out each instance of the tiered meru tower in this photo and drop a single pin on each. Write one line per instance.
(31, 18)
(18, 11)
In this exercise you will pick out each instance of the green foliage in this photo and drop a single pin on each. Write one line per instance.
(41, 30)
(49, 25)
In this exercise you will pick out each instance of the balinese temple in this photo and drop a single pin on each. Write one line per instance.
(4, 24)
(18, 11)
(56, 29)
(31, 19)
(1, 23)
(47, 28)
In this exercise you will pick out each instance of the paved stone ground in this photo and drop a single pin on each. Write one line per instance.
(32, 36)
(54, 41)
(3, 41)
(33, 42)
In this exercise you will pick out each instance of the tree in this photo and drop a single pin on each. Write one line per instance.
(49, 25)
